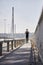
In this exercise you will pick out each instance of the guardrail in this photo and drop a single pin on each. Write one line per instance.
(14, 43)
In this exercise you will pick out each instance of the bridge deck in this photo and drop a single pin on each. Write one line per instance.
(22, 56)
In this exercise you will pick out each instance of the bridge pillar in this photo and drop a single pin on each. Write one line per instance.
(12, 45)
(0, 48)
(7, 46)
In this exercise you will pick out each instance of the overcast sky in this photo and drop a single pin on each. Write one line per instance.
(26, 14)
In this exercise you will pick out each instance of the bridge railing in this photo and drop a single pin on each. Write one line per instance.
(11, 43)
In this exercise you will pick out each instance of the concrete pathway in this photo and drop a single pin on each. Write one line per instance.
(19, 57)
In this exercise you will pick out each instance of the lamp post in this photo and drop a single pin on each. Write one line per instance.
(1, 27)
(8, 28)
(15, 28)
(4, 28)
(4, 25)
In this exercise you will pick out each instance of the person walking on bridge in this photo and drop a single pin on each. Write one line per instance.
(27, 35)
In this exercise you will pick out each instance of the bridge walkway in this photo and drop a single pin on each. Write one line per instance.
(22, 56)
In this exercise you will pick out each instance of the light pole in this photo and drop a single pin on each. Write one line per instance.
(15, 29)
(4, 25)
(8, 28)
(1, 27)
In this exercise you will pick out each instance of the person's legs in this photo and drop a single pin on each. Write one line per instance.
(26, 40)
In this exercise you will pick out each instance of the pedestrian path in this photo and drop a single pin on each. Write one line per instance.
(19, 57)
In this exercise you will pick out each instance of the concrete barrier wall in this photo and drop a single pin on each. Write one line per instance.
(38, 36)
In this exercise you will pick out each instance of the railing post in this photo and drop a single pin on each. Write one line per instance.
(15, 43)
(0, 48)
(11, 45)
(8, 46)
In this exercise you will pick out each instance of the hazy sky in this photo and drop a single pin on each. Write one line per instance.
(26, 14)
